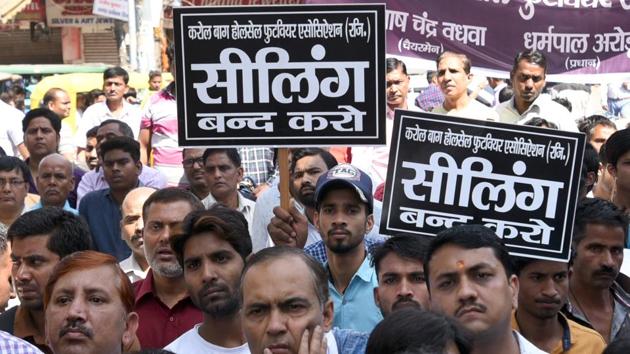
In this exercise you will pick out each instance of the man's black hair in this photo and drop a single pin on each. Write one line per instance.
(54, 119)
(171, 195)
(92, 132)
(519, 263)
(417, 331)
(123, 143)
(617, 145)
(231, 154)
(12, 163)
(587, 125)
(123, 127)
(116, 71)
(597, 211)
(532, 56)
(69, 233)
(469, 237)
(407, 246)
(393, 64)
(300, 153)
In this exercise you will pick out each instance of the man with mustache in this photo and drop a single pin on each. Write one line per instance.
(400, 272)
(212, 249)
(343, 216)
(101, 209)
(543, 291)
(453, 78)
(39, 239)
(470, 278)
(89, 306)
(596, 294)
(528, 81)
(131, 226)
(55, 182)
(161, 299)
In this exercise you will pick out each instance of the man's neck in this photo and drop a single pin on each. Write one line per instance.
(7, 217)
(545, 333)
(223, 332)
(200, 192)
(38, 319)
(505, 342)
(141, 260)
(621, 198)
(586, 296)
(399, 106)
(344, 266)
(169, 290)
(456, 104)
(521, 106)
(119, 194)
(114, 106)
(231, 201)
(33, 165)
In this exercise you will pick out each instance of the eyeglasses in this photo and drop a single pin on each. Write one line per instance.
(192, 161)
(14, 183)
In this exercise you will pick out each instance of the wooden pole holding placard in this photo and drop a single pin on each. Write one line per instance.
(283, 162)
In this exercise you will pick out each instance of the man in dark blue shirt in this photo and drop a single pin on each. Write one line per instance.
(101, 209)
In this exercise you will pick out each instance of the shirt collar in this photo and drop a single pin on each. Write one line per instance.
(24, 326)
(145, 287)
(243, 206)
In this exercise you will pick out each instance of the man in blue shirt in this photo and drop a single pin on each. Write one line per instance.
(343, 216)
(101, 209)
(55, 181)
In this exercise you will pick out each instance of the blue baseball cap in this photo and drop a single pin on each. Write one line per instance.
(349, 176)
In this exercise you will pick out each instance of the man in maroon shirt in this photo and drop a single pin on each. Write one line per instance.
(161, 299)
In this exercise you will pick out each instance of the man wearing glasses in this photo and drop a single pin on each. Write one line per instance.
(192, 159)
(13, 189)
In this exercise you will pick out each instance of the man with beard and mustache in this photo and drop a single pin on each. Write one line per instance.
(131, 226)
(161, 299)
(401, 280)
(89, 306)
(528, 81)
(596, 295)
(543, 291)
(39, 239)
(212, 249)
(101, 209)
(470, 278)
(343, 216)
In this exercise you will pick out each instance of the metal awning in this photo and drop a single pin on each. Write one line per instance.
(10, 8)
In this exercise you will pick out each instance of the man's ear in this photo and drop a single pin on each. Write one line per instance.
(129, 335)
(369, 223)
(514, 285)
(328, 315)
(377, 298)
(611, 169)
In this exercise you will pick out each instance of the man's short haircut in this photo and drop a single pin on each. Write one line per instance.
(300, 153)
(121, 143)
(591, 159)
(51, 95)
(225, 223)
(231, 154)
(588, 124)
(463, 57)
(84, 260)
(171, 195)
(617, 145)
(407, 246)
(54, 119)
(603, 159)
(519, 263)
(469, 237)
(600, 212)
(506, 94)
(430, 75)
(417, 331)
(116, 71)
(270, 254)
(564, 102)
(12, 163)
(154, 73)
(532, 56)
(541, 122)
(393, 64)
(123, 127)
(92, 132)
(69, 233)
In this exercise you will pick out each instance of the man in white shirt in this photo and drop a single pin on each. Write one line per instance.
(453, 77)
(528, 81)
(115, 81)
(11, 135)
(223, 173)
(131, 226)
(58, 101)
(212, 249)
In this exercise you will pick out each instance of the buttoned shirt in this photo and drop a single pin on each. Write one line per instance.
(346, 341)
(160, 325)
(542, 107)
(355, 308)
(99, 112)
(132, 269)
(13, 345)
(11, 134)
(257, 163)
(103, 216)
(576, 339)
(95, 180)
(430, 98)
(245, 206)
(620, 326)
(473, 110)
(317, 250)
(66, 207)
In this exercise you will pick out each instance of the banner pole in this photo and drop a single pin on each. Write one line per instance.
(283, 162)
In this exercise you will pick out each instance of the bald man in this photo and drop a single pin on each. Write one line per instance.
(131, 225)
(54, 182)
(58, 101)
